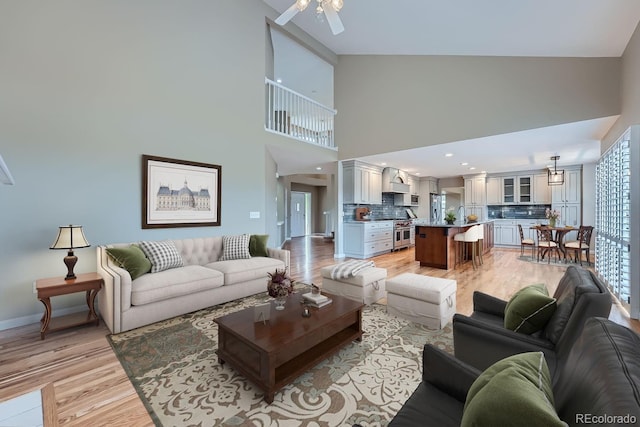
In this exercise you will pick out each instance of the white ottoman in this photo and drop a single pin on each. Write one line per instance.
(430, 301)
(368, 286)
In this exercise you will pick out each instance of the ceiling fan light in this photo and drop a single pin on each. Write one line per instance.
(337, 5)
(302, 4)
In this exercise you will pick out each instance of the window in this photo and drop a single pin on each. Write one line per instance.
(615, 173)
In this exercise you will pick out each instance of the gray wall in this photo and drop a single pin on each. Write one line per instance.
(390, 103)
(87, 88)
(630, 89)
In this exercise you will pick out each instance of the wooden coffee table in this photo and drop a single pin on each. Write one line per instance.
(273, 354)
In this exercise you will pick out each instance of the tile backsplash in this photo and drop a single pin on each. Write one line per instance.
(517, 211)
(386, 210)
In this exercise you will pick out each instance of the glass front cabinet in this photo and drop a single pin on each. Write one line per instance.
(509, 189)
(525, 189)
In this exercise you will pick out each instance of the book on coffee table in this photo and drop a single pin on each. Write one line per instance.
(315, 298)
(318, 305)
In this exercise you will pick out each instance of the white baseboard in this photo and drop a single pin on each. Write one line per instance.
(35, 318)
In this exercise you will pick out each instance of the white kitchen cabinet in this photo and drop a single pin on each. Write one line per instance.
(368, 239)
(524, 189)
(414, 185)
(475, 196)
(509, 189)
(494, 191)
(541, 190)
(566, 198)
(362, 183)
(571, 190)
(570, 214)
(505, 233)
(475, 190)
(433, 185)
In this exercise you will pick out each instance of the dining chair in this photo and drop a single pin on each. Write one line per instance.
(526, 242)
(546, 244)
(582, 242)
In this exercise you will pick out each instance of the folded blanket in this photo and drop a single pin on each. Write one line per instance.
(350, 268)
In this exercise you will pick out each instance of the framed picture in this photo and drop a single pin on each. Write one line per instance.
(179, 193)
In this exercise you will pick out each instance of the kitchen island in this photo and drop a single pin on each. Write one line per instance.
(435, 244)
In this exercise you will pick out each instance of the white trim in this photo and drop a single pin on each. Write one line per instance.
(35, 318)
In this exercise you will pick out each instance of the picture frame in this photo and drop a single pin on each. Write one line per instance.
(180, 193)
(262, 313)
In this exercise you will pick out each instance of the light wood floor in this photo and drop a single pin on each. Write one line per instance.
(91, 388)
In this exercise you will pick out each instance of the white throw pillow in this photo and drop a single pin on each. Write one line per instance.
(235, 247)
(163, 255)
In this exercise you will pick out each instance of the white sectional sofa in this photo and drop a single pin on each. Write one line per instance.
(201, 282)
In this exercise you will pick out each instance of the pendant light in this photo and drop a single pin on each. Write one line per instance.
(555, 177)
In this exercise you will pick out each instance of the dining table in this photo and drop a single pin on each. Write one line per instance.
(559, 234)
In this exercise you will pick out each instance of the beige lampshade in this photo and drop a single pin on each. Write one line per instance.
(70, 237)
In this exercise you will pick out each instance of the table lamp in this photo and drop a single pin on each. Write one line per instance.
(70, 237)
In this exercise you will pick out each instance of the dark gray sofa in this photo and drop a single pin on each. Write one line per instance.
(481, 339)
(598, 377)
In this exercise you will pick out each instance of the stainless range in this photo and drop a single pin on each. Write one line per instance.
(401, 233)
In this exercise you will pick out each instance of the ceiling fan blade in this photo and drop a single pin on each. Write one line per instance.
(334, 20)
(287, 15)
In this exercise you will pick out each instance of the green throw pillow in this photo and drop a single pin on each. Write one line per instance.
(529, 310)
(515, 391)
(131, 259)
(258, 245)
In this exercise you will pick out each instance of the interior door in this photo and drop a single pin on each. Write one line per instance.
(298, 214)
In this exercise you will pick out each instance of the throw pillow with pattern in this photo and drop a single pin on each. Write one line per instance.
(235, 247)
(163, 255)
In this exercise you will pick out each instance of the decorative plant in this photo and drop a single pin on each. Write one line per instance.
(450, 216)
(280, 284)
(552, 214)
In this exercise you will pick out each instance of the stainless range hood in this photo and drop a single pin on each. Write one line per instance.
(394, 181)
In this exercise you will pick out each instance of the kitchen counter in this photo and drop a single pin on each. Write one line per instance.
(456, 224)
(435, 244)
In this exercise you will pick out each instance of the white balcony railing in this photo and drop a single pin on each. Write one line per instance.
(293, 114)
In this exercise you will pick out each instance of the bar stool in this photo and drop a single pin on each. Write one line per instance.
(480, 234)
(462, 240)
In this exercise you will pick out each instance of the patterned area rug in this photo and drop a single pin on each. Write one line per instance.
(174, 367)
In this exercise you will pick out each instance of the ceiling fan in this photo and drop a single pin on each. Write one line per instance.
(329, 8)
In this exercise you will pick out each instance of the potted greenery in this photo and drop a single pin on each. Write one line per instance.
(450, 217)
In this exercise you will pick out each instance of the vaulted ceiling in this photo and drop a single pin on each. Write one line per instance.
(546, 28)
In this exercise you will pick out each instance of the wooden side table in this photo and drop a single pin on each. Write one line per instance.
(91, 283)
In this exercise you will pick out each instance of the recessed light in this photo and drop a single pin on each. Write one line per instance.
(318, 168)
(448, 155)
(472, 168)
(279, 81)
(417, 173)
(464, 163)
(383, 164)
